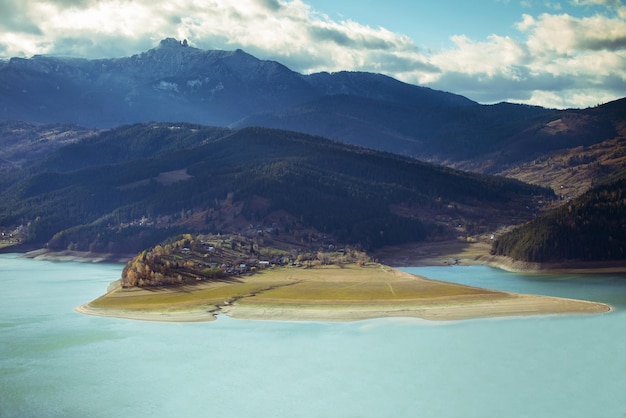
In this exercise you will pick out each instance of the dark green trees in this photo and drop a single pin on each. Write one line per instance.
(591, 227)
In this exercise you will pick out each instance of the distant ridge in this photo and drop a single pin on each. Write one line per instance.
(174, 82)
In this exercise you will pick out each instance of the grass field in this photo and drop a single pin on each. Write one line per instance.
(373, 283)
(349, 284)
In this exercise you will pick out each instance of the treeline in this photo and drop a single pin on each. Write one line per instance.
(589, 228)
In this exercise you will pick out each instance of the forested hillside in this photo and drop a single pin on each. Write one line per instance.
(129, 188)
(422, 129)
(22, 143)
(591, 227)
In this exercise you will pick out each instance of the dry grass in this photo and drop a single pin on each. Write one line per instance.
(351, 284)
(208, 293)
(371, 284)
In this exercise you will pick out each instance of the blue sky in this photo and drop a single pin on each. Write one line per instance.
(431, 23)
(557, 53)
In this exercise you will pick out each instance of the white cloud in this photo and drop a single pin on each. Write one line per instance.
(566, 35)
(588, 51)
(496, 56)
(557, 60)
(560, 61)
(609, 3)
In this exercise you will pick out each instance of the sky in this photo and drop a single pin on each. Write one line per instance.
(556, 54)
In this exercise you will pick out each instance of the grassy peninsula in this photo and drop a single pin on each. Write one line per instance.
(183, 281)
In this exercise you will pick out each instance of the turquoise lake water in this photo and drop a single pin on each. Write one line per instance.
(57, 363)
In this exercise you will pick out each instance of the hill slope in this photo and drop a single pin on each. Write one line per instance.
(589, 228)
(130, 187)
(21, 143)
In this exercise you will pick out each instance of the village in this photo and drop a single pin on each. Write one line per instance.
(12, 236)
(191, 259)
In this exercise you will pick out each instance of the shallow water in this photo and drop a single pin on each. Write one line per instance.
(55, 362)
(606, 288)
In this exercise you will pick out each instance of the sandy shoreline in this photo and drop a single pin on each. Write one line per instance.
(80, 256)
(201, 315)
(517, 305)
(448, 253)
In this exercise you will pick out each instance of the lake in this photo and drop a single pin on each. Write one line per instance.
(57, 363)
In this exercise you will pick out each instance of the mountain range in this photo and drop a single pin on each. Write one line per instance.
(176, 82)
